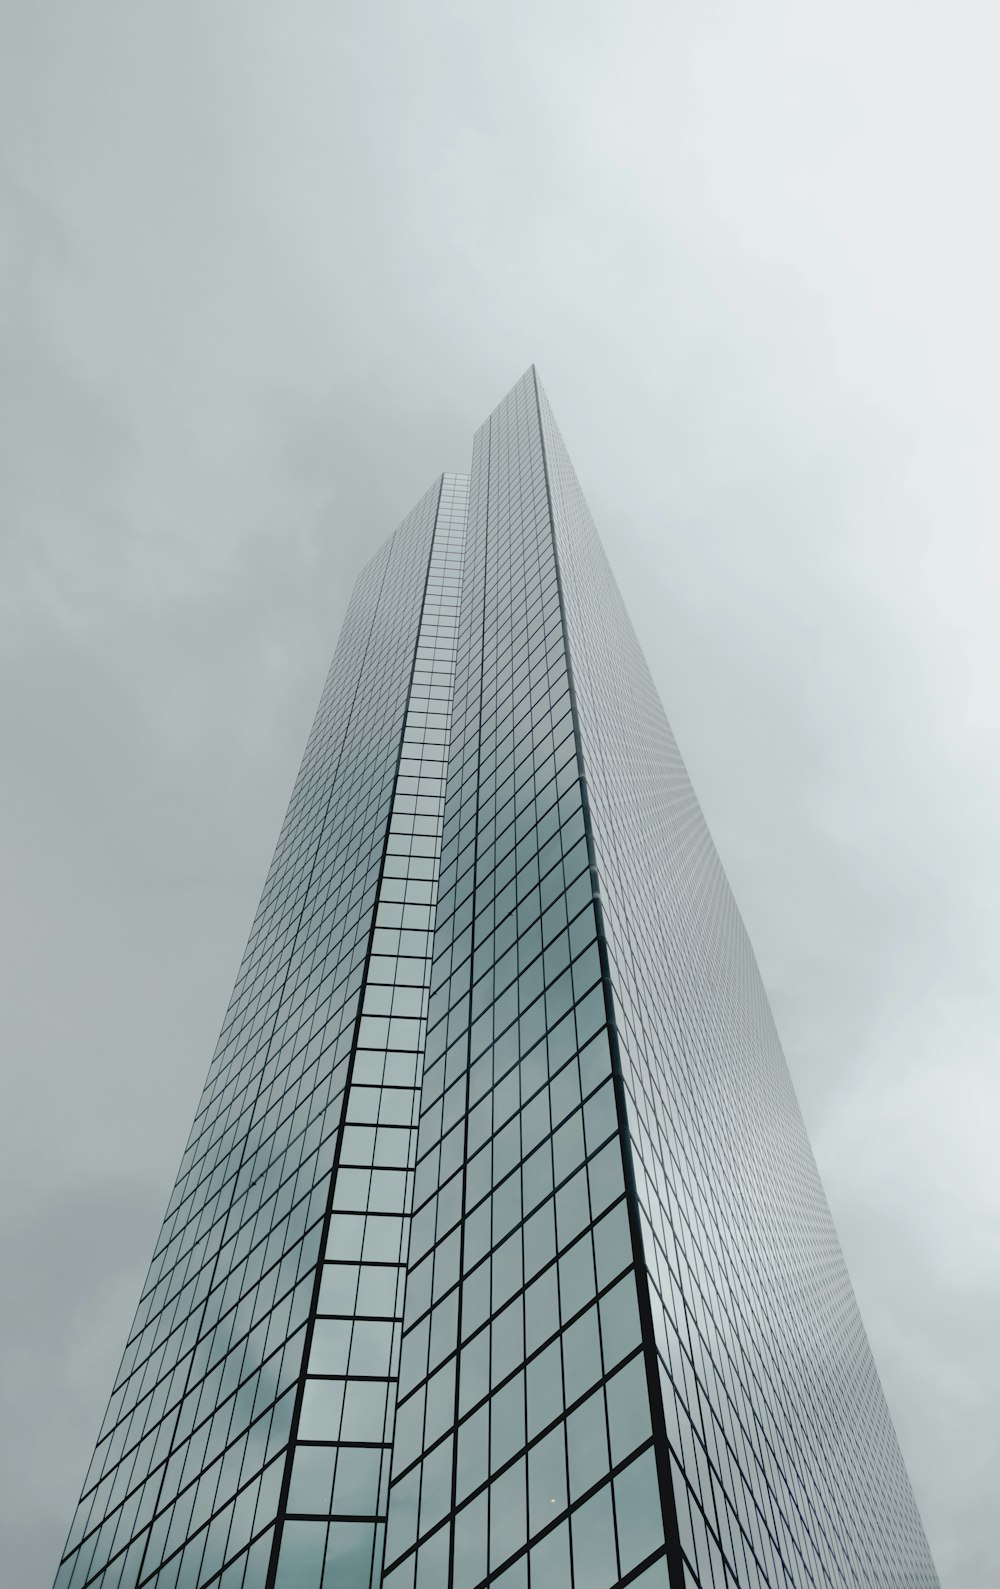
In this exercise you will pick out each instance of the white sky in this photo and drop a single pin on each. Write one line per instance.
(262, 271)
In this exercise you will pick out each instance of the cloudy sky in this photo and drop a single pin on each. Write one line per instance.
(263, 269)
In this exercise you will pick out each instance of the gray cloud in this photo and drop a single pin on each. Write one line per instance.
(260, 276)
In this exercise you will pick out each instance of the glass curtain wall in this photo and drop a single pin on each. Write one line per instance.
(523, 1451)
(784, 1465)
(336, 1503)
(497, 1255)
(188, 1475)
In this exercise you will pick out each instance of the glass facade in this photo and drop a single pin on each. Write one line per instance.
(497, 1254)
(784, 1467)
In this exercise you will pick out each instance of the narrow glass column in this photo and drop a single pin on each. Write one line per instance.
(335, 1515)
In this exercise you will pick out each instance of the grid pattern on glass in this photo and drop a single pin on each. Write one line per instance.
(184, 1485)
(785, 1466)
(523, 1443)
(497, 1231)
(334, 1523)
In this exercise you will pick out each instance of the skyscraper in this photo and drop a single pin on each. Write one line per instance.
(497, 1254)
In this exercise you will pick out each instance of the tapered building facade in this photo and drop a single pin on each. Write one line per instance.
(497, 1254)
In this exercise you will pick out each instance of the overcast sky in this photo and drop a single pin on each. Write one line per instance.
(263, 269)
